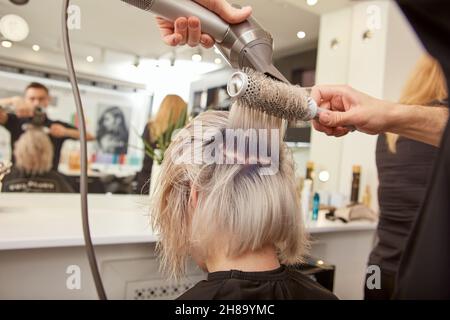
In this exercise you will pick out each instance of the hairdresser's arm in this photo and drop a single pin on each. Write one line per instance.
(187, 30)
(59, 131)
(75, 134)
(349, 107)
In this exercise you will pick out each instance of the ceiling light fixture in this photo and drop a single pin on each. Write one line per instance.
(197, 57)
(218, 61)
(90, 59)
(36, 47)
(7, 44)
(301, 34)
(14, 27)
(311, 2)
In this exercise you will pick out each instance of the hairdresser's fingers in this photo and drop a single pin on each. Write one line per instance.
(334, 119)
(226, 11)
(207, 41)
(340, 132)
(321, 128)
(167, 32)
(181, 28)
(194, 32)
(340, 97)
(334, 132)
(325, 105)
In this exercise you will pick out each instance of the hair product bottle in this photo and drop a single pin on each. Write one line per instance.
(310, 171)
(367, 198)
(316, 207)
(354, 198)
(306, 198)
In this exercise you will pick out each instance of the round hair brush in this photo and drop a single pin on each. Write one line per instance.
(257, 91)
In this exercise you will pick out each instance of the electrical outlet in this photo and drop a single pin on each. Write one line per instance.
(160, 289)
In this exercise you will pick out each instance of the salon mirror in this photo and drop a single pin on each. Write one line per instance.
(125, 71)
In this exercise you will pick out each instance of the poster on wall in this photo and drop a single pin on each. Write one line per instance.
(113, 123)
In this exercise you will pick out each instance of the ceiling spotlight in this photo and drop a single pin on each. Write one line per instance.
(7, 44)
(90, 59)
(218, 61)
(217, 51)
(36, 47)
(14, 27)
(197, 57)
(301, 34)
(311, 2)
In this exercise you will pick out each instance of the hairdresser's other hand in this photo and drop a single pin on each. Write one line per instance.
(348, 107)
(187, 30)
(58, 131)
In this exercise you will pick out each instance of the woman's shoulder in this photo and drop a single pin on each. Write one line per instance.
(303, 287)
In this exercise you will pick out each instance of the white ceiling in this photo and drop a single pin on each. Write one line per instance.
(113, 25)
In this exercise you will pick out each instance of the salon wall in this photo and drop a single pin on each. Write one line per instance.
(378, 66)
(305, 60)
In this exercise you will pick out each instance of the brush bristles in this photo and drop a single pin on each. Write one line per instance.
(275, 98)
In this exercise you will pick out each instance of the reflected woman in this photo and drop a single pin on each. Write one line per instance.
(171, 109)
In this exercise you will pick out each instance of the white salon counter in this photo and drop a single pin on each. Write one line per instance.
(46, 221)
(40, 235)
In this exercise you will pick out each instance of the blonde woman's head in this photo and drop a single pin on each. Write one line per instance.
(171, 109)
(204, 207)
(33, 152)
(425, 86)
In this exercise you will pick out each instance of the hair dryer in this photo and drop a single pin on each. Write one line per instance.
(243, 45)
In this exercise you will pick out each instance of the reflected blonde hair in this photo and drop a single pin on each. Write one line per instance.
(425, 85)
(171, 109)
(237, 209)
(34, 152)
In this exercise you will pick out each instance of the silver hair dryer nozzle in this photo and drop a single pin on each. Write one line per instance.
(258, 91)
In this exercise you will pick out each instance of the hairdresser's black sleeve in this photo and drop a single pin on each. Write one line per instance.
(424, 272)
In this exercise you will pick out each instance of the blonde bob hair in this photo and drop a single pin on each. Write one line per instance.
(236, 209)
(34, 152)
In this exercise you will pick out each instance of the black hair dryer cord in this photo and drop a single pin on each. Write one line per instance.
(83, 153)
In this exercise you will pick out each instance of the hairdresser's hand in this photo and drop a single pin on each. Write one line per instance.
(58, 131)
(187, 30)
(21, 109)
(349, 107)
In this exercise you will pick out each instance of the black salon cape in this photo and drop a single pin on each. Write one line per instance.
(280, 284)
(424, 271)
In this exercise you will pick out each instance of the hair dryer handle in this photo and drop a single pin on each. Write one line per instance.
(212, 24)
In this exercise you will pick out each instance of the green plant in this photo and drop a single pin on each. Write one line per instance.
(164, 140)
